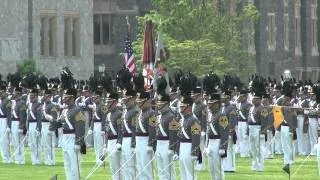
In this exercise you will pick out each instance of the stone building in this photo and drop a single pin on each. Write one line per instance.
(110, 29)
(55, 33)
(286, 37)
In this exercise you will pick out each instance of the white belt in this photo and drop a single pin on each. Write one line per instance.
(213, 130)
(114, 132)
(1, 113)
(140, 124)
(67, 120)
(126, 126)
(242, 116)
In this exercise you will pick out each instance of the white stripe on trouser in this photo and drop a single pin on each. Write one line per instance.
(34, 143)
(72, 160)
(114, 160)
(229, 163)
(129, 168)
(313, 134)
(143, 158)
(163, 161)
(318, 156)
(269, 145)
(302, 138)
(256, 147)
(97, 140)
(243, 139)
(214, 160)
(18, 144)
(277, 143)
(187, 170)
(287, 144)
(47, 142)
(4, 141)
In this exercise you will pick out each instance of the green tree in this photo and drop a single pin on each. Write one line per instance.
(26, 67)
(200, 38)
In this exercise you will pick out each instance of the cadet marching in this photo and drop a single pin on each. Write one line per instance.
(136, 124)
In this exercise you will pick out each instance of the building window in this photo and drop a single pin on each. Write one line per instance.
(48, 35)
(71, 35)
(297, 12)
(102, 27)
(271, 31)
(286, 32)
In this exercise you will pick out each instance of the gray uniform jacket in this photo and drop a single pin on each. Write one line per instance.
(146, 124)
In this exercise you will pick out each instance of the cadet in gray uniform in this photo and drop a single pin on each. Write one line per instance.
(99, 115)
(218, 135)
(190, 133)
(199, 110)
(229, 163)
(242, 118)
(73, 122)
(145, 136)
(313, 122)
(34, 117)
(113, 127)
(267, 127)
(167, 138)
(5, 130)
(18, 125)
(50, 113)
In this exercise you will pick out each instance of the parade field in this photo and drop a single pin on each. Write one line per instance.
(273, 169)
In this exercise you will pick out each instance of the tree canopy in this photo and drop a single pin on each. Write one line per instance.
(201, 36)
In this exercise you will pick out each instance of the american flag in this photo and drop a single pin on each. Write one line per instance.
(128, 55)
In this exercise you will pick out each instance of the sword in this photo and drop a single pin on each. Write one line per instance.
(145, 167)
(96, 166)
(133, 154)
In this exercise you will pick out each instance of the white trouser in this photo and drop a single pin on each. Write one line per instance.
(47, 142)
(89, 137)
(128, 159)
(98, 140)
(287, 144)
(143, 159)
(277, 143)
(313, 134)
(165, 170)
(18, 140)
(243, 139)
(302, 138)
(229, 163)
(256, 147)
(214, 160)
(201, 166)
(4, 141)
(318, 156)
(269, 145)
(34, 143)
(187, 164)
(114, 159)
(72, 161)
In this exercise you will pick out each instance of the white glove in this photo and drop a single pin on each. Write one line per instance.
(8, 130)
(149, 149)
(89, 131)
(229, 137)
(37, 133)
(203, 133)
(133, 150)
(222, 152)
(194, 158)
(118, 146)
(206, 151)
(170, 152)
(103, 132)
(175, 157)
(48, 117)
(20, 131)
(77, 148)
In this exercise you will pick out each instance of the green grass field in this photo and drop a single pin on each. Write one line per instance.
(273, 169)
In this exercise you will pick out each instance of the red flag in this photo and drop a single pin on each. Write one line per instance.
(149, 47)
